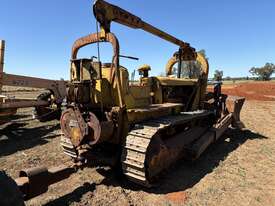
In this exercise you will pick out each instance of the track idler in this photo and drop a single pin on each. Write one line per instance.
(79, 128)
(75, 128)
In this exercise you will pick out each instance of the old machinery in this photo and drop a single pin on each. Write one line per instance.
(140, 129)
(47, 105)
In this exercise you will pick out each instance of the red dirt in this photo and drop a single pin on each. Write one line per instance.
(177, 197)
(263, 91)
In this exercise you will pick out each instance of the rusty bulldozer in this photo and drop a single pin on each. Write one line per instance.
(139, 129)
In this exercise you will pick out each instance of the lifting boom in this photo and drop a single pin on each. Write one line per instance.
(105, 13)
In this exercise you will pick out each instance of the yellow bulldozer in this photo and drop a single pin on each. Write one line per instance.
(140, 129)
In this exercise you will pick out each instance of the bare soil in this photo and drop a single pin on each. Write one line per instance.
(239, 169)
(263, 91)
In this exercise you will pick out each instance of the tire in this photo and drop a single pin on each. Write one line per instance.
(46, 113)
(9, 192)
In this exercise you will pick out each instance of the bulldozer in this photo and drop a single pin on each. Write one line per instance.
(139, 129)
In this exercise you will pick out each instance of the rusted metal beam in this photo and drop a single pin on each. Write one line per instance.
(8, 106)
(212, 135)
(6, 113)
(22, 103)
(57, 86)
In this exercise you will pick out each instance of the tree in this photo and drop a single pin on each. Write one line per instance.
(227, 78)
(218, 75)
(265, 72)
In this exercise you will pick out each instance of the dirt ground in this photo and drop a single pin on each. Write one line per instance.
(239, 169)
(263, 91)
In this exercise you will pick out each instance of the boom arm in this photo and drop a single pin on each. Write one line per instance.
(105, 13)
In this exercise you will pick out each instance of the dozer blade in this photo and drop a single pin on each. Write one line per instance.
(234, 105)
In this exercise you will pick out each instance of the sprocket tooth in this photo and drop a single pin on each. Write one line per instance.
(68, 147)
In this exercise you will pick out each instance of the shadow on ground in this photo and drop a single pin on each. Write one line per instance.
(74, 196)
(15, 138)
(180, 177)
(14, 118)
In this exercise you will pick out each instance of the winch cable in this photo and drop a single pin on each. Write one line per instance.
(100, 69)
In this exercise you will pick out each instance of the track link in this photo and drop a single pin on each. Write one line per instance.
(136, 144)
(135, 158)
(68, 147)
(135, 148)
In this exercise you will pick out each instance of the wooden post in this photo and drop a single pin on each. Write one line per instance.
(2, 51)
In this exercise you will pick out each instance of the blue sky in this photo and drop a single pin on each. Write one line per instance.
(235, 34)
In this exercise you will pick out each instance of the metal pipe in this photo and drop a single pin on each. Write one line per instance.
(35, 181)
(25, 81)
(129, 57)
(179, 64)
(2, 52)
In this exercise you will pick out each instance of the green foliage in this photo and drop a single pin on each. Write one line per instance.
(227, 78)
(218, 74)
(265, 72)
